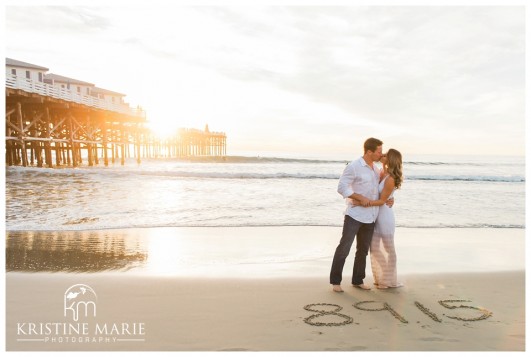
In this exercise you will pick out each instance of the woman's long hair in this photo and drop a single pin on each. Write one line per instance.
(394, 166)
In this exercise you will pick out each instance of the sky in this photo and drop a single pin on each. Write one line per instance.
(308, 81)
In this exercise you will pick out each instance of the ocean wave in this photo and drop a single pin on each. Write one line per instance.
(312, 176)
(472, 225)
(480, 162)
(83, 220)
(265, 159)
(452, 161)
(247, 160)
(243, 175)
(471, 178)
(322, 176)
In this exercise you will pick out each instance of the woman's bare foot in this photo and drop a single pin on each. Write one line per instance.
(398, 285)
(362, 286)
(337, 288)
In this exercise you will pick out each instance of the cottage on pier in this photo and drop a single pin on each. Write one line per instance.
(26, 70)
(75, 85)
(108, 95)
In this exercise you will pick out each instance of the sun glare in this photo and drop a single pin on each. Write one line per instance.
(162, 255)
(162, 129)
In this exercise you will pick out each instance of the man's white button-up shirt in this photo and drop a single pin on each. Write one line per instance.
(360, 178)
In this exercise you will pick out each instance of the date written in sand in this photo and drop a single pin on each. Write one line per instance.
(324, 311)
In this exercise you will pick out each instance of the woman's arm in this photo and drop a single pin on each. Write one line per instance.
(389, 185)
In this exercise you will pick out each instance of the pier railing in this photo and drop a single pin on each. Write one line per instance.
(31, 86)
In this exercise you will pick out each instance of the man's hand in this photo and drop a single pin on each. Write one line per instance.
(358, 203)
(354, 202)
(390, 202)
(364, 201)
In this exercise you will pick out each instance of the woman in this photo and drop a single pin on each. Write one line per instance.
(383, 255)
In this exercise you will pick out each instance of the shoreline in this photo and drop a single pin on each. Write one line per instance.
(246, 226)
(246, 289)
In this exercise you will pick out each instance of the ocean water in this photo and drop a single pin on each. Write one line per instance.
(446, 192)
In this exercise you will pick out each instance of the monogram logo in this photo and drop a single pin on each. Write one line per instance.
(80, 301)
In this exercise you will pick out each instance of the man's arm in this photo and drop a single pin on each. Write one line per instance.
(344, 187)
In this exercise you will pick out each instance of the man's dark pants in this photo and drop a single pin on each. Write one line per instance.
(364, 232)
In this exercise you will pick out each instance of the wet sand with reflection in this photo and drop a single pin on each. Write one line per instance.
(72, 251)
(253, 251)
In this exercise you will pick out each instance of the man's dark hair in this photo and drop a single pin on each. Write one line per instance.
(371, 144)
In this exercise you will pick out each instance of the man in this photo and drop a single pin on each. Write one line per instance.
(359, 181)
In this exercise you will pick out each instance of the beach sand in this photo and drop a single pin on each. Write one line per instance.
(233, 304)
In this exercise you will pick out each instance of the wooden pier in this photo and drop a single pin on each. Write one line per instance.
(185, 143)
(48, 130)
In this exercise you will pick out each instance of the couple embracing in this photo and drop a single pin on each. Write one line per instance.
(369, 217)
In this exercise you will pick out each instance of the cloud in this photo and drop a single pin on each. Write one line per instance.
(82, 18)
(56, 19)
(419, 72)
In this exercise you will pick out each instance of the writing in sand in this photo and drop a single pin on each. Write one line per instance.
(366, 306)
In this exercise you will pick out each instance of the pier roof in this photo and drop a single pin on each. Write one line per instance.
(106, 91)
(16, 63)
(63, 79)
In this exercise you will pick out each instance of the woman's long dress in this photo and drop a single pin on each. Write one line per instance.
(383, 254)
